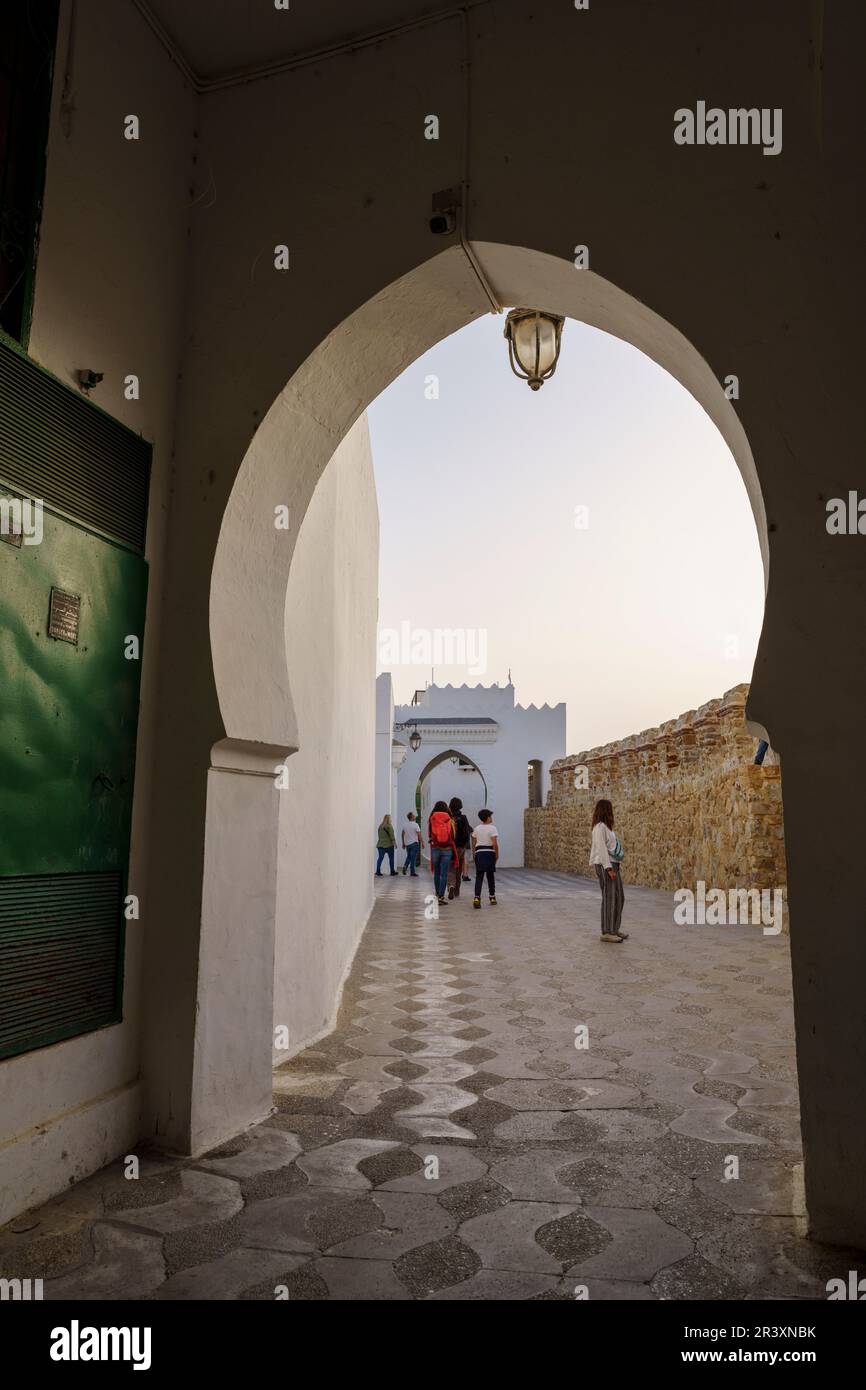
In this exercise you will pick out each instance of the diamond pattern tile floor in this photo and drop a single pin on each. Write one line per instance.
(508, 1109)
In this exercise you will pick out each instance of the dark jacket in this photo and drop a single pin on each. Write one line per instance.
(462, 831)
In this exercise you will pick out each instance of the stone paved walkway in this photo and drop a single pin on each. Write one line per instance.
(450, 1141)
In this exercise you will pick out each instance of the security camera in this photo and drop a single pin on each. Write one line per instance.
(443, 216)
(87, 378)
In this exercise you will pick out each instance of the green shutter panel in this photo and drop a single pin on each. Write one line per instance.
(59, 957)
(57, 446)
(68, 705)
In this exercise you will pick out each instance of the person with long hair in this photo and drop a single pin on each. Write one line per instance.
(386, 844)
(440, 833)
(606, 855)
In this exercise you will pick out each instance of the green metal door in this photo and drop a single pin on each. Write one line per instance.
(72, 610)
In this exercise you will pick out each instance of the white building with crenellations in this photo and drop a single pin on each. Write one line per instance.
(476, 743)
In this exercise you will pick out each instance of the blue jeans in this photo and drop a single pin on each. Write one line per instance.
(412, 852)
(381, 850)
(440, 859)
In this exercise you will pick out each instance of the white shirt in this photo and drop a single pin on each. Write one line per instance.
(603, 841)
(484, 835)
(411, 832)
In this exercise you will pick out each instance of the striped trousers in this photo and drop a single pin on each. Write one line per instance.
(612, 899)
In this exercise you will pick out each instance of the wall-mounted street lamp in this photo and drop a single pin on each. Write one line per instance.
(414, 737)
(534, 340)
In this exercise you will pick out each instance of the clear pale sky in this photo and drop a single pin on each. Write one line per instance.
(651, 610)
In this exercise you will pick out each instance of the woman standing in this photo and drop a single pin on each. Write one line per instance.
(606, 855)
(386, 844)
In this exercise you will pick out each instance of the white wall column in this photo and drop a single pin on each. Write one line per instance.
(231, 1080)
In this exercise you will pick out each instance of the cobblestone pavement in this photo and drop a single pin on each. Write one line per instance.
(450, 1141)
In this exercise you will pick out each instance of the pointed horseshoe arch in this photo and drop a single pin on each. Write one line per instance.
(443, 757)
(328, 395)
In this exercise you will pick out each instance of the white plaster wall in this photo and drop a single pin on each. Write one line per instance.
(398, 757)
(501, 756)
(446, 781)
(324, 874)
(384, 799)
(108, 295)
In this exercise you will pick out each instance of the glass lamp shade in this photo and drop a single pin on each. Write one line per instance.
(414, 740)
(534, 340)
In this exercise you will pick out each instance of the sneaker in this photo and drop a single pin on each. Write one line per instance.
(623, 935)
(413, 874)
(442, 900)
(610, 937)
(493, 900)
(476, 902)
(466, 878)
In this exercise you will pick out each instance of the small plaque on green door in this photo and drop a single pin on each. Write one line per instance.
(63, 616)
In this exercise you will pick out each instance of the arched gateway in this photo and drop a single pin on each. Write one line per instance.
(317, 409)
(256, 371)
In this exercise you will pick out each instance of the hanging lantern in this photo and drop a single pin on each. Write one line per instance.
(415, 740)
(534, 339)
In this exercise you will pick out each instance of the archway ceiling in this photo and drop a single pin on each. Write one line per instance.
(218, 38)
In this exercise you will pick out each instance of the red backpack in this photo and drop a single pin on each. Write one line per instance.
(440, 829)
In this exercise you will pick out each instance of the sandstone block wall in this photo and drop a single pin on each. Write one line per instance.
(689, 803)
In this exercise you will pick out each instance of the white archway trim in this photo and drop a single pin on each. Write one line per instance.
(293, 445)
(250, 759)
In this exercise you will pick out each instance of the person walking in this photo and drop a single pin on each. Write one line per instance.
(386, 844)
(440, 833)
(485, 849)
(462, 836)
(413, 843)
(606, 855)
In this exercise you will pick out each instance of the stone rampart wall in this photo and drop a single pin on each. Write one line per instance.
(689, 804)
